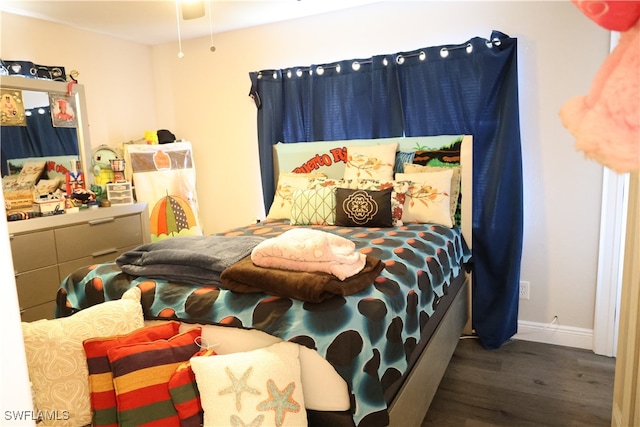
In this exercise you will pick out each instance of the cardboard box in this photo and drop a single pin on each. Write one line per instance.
(48, 207)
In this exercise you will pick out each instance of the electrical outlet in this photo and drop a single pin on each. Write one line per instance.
(524, 290)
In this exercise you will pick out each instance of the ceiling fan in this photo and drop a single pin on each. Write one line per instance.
(192, 9)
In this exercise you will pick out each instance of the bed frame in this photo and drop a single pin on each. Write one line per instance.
(412, 398)
(410, 405)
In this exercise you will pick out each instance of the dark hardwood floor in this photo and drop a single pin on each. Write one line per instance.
(523, 384)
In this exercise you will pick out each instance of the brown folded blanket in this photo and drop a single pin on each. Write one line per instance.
(246, 277)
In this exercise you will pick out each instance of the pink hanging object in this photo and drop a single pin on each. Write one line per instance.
(606, 122)
(613, 15)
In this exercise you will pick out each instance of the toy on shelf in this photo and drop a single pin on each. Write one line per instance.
(101, 159)
(75, 178)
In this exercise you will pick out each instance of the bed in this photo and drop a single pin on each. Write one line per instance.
(390, 342)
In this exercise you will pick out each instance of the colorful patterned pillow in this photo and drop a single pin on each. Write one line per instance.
(103, 396)
(314, 207)
(370, 161)
(315, 183)
(456, 179)
(402, 158)
(428, 198)
(185, 394)
(363, 208)
(288, 182)
(56, 360)
(258, 387)
(398, 193)
(141, 373)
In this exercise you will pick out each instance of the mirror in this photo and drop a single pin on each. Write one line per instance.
(41, 121)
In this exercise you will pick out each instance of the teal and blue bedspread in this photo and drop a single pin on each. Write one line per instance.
(368, 336)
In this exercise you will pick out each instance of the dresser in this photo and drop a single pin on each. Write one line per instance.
(46, 250)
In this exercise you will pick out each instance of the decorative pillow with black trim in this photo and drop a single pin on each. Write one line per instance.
(363, 208)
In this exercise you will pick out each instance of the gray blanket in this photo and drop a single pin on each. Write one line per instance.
(196, 260)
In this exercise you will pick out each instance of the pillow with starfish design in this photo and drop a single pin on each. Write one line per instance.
(259, 387)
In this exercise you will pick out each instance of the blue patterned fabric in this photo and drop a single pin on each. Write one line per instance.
(367, 336)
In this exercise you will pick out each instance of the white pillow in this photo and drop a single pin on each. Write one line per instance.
(455, 180)
(288, 183)
(258, 387)
(370, 161)
(428, 199)
(56, 360)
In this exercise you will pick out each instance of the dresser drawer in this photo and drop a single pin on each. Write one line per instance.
(98, 238)
(37, 286)
(41, 311)
(66, 268)
(33, 250)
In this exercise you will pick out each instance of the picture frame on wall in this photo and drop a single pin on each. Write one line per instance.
(63, 111)
(12, 108)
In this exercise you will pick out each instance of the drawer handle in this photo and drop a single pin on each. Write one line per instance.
(104, 252)
(101, 221)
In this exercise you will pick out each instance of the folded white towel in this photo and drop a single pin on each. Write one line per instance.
(306, 249)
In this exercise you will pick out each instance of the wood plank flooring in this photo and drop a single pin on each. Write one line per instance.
(523, 384)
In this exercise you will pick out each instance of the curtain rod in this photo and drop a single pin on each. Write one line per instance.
(400, 58)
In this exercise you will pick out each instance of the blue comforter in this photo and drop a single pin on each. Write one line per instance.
(367, 336)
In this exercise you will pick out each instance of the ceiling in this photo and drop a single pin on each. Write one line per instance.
(152, 22)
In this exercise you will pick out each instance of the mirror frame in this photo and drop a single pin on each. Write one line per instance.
(61, 88)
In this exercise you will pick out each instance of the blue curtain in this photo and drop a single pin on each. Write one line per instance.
(470, 88)
(39, 138)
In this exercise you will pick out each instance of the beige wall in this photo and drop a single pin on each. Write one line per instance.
(117, 75)
(203, 98)
(560, 50)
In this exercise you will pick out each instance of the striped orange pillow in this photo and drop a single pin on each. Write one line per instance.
(141, 374)
(185, 394)
(103, 396)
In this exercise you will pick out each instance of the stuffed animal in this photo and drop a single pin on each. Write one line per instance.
(606, 121)
(101, 164)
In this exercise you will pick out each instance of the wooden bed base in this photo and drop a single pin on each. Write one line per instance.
(414, 398)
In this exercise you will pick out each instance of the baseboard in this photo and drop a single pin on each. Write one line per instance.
(551, 333)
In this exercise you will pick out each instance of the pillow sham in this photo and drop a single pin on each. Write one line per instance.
(315, 183)
(257, 387)
(288, 182)
(314, 207)
(370, 161)
(56, 360)
(428, 198)
(141, 373)
(103, 396)
(402, 158)
(456, 179)
(363, 208)
(185, 394)
(398, 193)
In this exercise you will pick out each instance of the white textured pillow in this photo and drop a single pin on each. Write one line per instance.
(288, 182)
(258, 387)
(455, 180)
(56, 360)
(428, 199)
(370, 161)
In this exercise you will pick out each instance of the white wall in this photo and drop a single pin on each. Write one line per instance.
(117, 75)
(560, 51)
(203, 98)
